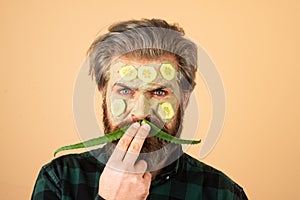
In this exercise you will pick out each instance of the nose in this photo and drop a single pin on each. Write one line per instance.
(141, 109)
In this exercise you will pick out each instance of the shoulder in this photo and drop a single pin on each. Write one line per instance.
(67, 175)
(82, 162)
(194, 165)
(205, 176)
(72, 160)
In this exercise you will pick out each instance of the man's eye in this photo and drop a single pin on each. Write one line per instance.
(125, 91)
(160, 93)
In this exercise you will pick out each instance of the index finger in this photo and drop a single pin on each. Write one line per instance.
(136, 145)
(124, 142)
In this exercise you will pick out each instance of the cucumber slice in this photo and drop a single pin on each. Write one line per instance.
(165, 110)
(118, 107)
(167, 71)
(147, 73)
(128, 72)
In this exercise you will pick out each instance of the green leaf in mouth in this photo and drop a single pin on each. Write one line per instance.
(155, 131)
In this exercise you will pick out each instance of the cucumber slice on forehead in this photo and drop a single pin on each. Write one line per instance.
(167, 71)
(128, 72)
(147, 73)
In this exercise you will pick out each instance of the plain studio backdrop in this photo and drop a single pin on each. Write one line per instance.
(254, 44)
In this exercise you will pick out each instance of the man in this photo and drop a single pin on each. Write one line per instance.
(145, 70)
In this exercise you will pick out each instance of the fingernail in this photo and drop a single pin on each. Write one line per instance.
(146, 127)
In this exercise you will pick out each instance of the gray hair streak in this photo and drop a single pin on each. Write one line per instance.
(146, 38)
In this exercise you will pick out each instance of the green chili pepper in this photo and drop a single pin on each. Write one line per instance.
(119, 133)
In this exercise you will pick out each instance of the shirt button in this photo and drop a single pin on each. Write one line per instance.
(168, 177)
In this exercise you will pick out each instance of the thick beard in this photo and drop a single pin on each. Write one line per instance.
(154, 151)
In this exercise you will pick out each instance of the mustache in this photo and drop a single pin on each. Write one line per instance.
(154, 120)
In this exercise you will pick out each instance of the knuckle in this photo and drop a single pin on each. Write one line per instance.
(131, 131)
(136, 146)
(126, 168)
(134, 180)
(144, 190)
(143, 133)
(124, 142)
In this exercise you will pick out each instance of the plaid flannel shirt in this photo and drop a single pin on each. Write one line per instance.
(76, 176)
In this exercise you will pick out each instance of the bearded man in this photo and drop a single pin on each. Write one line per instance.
(145, 70)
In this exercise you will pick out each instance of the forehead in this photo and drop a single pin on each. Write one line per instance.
(137, 63)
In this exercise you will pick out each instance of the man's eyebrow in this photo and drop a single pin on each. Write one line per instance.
(124, 86)
(158, 87)
(166, 85)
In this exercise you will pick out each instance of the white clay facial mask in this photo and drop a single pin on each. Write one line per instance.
(142, 90)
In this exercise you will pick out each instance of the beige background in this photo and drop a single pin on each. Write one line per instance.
(255, 45)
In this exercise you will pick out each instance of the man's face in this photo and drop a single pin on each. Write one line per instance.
(143, 89)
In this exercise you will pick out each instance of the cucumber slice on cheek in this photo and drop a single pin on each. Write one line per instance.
(166, 111)
(118, 107)
(119, 133)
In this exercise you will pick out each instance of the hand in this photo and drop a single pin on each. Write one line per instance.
(123, 177)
